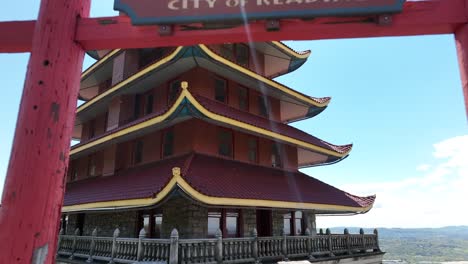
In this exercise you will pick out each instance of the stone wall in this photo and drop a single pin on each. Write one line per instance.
(106, 223)
(278, 224)
(190, 219)
(311, 222)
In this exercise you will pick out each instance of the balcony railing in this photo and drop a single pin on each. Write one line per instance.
(251, 249)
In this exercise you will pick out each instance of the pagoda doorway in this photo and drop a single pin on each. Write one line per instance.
(264, 223)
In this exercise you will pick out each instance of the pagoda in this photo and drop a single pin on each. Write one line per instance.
(198, 139)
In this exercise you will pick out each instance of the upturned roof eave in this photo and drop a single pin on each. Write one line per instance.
(343, 203)
(315, 103)
(186, 97)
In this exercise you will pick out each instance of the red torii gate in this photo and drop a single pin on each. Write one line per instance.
(34, 187)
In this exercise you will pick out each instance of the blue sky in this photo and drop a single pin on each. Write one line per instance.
(399, 100)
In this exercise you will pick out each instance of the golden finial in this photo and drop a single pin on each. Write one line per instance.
(184, 85)
(176, 172)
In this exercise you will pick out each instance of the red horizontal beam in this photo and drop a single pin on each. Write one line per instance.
(418, 18)
(16, 36)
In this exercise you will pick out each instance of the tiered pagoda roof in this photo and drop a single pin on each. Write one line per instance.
(203, 177)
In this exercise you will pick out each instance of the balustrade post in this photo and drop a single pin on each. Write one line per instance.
(114, 245)
(92, 246)
(59, 242)
(140, 250)
(330, 242)
(309, 244)
(255, 245)
(75, 236)
(363, 242)
(219, 246)
(348, 241)
(174, 248)
(285, 247)
(377, 246)
(321, 231)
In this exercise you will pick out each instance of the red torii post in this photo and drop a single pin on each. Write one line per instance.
(34, 188)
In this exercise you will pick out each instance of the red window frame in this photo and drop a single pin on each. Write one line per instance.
(233, 50)
(257, 150)
(169, 87)
(222, 129)
(226, 89)
(138, 150)
(247, 99)
(163, 138)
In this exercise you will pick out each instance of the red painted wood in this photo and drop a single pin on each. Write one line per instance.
(16, 36)
(418, 18)
(34, 186)
(461, 37)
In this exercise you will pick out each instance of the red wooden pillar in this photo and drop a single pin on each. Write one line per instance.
(461, 37)
(34, 186)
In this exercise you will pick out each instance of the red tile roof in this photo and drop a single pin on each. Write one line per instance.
(215, 177)
(261, 122)
(140, 182)
(220, 177)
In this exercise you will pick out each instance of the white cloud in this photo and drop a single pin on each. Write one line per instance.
(437, 198)
(423, 167)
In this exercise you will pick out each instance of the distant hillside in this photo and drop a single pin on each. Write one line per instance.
(414, 245)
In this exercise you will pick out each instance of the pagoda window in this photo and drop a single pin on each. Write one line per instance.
(227, 51)
(174, 88)
(228, 221)
(92, 129)
(74, 172)
(137, 106)
(232, 224)
(252, 144)
(243, 99)
(237, 52)
(225, 146)
(168, 143)
(148, 56)
(214, 223)
(92, 165)
(242, 54)
(293, 223)
(263, 106)
(220, 90)
(138, 152)
(151, 221)
(149, 103)
(275, 155)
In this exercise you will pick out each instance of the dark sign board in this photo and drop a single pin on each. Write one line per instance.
(145, 12)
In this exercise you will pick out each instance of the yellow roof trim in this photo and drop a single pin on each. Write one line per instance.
(290, 51)
(129, 80)
(178, 180)
(98, 63)
(186, 94)
(261, 78)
